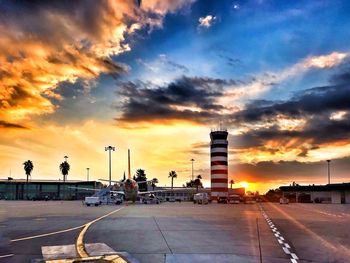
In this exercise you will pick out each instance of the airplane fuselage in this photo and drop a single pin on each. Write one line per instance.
(131, 189)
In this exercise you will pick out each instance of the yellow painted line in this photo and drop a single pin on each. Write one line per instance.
(47, 234)
(108, 258)
(80, 240)
(62, 231)
(6, 256)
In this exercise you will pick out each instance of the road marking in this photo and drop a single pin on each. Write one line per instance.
(80, 240)
(7, 256)
(40, 219)
(285, 246)
(47, 234)
(61, 231)
(69, 251)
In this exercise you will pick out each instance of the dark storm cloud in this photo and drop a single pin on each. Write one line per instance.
(316, 106)
(313, 101)
(144, 102)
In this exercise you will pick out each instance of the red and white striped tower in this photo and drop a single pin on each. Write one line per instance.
(218, 163)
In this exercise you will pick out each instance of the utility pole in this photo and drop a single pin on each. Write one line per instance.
(329, 171)
(192, 160)
(110, 149)
(87, 173)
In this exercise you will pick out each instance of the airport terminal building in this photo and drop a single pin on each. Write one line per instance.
(46, 189)
(329, 193)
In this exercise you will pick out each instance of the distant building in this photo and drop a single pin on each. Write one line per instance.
(49, 189)
(218, 163)
(329, 193)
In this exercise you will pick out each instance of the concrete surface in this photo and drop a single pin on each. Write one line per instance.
(181, 232)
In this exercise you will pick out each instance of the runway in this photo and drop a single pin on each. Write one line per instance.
(177, 232)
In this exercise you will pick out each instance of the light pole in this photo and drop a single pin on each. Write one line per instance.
(87, 173)
(110, 149)
(192, 160)
(329, 171)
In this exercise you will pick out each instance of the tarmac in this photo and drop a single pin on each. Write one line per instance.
(39, 231)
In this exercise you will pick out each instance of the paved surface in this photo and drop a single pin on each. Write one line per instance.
(180, 232)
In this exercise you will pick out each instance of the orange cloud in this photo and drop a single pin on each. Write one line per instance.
(52, 43)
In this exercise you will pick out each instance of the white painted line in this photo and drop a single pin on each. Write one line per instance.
(65, 230)
(280, 239)
(7, 256)
(47, 234)
(294, 255)
(287, 245)
(286, 250)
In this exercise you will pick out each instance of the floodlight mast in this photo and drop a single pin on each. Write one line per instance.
(110, 149)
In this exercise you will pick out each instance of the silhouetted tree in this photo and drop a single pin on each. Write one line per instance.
(172, 175)
(197, 182)
(141, 177)
(64, 168)
(190, 184)
(231, 183)
(154, 182)
(28, 168)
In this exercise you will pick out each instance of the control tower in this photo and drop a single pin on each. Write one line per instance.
(218, 163)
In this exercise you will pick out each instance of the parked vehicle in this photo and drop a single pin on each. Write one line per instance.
(92, 200)
(222, 200)
(201, 198)
(234, 199)
(249, 200)
(284, 201)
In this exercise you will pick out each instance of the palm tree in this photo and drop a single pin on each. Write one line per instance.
(154, 182)
(64, 168)
(172, 175)
(231, 183)
(197, 182)
(28, 168)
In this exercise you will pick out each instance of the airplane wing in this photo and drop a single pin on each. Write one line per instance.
(159, 191)
(88, 189)
(117, 192)
(116, 182)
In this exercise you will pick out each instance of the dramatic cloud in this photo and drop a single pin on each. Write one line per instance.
(267, 80)
(314, 119)
(45, 43)
(189, 99)
(4, 124)
(206, 21)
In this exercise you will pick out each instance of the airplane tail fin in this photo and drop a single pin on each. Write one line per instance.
(129, 174)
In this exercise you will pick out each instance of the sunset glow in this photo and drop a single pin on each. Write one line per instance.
(156, 76)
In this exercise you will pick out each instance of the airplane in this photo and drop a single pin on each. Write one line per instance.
(130, 191)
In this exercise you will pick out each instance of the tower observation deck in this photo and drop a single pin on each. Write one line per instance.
(218, 163)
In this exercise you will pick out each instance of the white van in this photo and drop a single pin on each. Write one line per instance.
(201, 198)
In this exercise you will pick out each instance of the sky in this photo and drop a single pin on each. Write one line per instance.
(155, 76)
